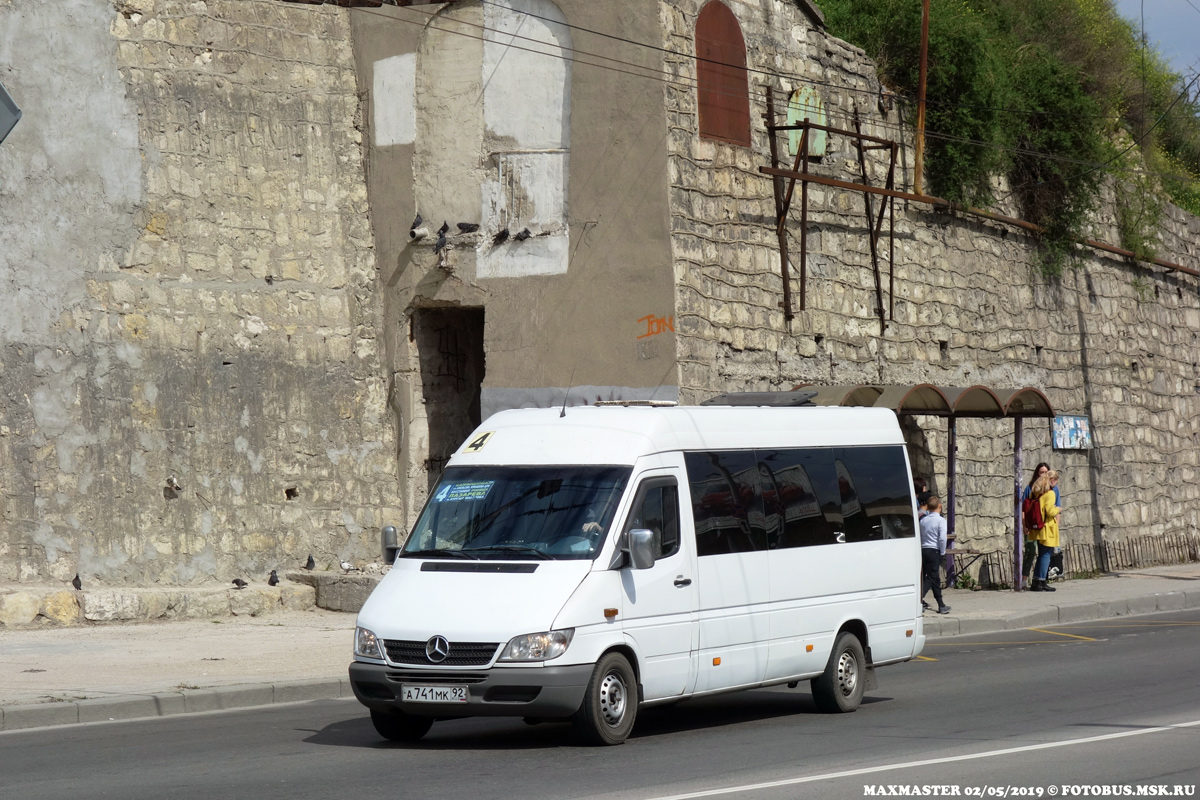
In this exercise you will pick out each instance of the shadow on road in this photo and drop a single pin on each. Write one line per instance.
(509, 733)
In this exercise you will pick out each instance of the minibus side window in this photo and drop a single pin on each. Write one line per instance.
(800, 497)
(875, 493)
(657, 509)
(726, 504)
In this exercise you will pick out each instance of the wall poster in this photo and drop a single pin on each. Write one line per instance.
(1072, 432)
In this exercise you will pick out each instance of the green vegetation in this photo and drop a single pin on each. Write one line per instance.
(1041, 91)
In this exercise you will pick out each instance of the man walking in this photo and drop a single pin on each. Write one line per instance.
(933, 550)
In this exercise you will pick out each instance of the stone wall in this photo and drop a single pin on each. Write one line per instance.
(1110, 340)
(190, 385)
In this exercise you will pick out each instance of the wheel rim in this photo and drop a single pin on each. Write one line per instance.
(613, 699)
(847, 673)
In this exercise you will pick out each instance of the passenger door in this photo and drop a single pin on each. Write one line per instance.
(733, 568)
(660, 603)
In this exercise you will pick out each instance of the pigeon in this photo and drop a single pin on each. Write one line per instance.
(440, 244)
(501, 237)
(239, 583)
(310, 564)
(523, 235)
(78, 584)
(348, 567)
(273, 580)
(416, 223)
(174, 484)
(468, 227)
(442, 230)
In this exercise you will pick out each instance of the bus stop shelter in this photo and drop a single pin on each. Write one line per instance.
(980, 402)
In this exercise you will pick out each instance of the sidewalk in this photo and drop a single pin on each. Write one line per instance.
(95, 673)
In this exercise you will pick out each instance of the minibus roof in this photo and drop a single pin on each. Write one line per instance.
(621, 435)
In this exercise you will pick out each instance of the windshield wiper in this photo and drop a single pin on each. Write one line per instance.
(512, 548)
(436, 554)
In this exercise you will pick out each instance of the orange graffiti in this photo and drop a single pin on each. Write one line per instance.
(656, 325)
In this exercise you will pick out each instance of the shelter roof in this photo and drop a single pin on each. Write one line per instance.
(926, 399)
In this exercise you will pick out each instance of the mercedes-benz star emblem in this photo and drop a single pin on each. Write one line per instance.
(436, 649)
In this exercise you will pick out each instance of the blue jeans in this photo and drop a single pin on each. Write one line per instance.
(1043, 562)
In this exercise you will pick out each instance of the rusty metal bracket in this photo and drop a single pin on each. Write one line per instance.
(873, 236)
(799, 172)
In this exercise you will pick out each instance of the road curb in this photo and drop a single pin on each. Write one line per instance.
(942, 627)
(165, 704)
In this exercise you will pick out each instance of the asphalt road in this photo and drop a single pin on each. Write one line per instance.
(1108, 703)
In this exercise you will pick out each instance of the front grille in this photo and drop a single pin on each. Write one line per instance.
(435, 677)
(462, 654)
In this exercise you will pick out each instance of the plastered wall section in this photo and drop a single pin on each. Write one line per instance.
(603, 322)
(190, 382)
(1109, 340)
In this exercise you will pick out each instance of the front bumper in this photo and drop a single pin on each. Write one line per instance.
(510, 692)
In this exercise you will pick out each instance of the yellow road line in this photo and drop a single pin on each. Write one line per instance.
(1068, 635)
(978, 644)
(1143, 625)
(925, 658)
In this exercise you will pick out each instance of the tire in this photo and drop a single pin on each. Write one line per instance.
(839, 689)
(610, 705)
(397, 726)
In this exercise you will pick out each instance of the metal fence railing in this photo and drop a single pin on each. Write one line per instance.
(993, 570)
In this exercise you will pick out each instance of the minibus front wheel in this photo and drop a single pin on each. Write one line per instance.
(400, 727)
(840, 687)
(610, 705)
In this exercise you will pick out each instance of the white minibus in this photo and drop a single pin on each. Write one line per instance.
(580, 564)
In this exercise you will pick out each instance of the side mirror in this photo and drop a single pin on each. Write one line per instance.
(640, 546)
(389, 540)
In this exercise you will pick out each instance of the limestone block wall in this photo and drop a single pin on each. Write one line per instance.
(190, 386)
(1110, 340)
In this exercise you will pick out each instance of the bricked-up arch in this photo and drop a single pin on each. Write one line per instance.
(722, 85)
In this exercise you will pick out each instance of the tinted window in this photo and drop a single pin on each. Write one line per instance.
(725, 502)
(657, 509)
(800, 497)
(874, 493)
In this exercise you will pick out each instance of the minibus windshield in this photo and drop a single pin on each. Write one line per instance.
(518, 513)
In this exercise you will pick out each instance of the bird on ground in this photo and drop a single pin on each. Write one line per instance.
(348, 567)
(523, 235)
(468, 227)
(445, 227)
(273, 580)
(239, 583)
(78, 584)
(501, 237)
(440, 244)
(416, 222)
(174, 484)
(310, 564)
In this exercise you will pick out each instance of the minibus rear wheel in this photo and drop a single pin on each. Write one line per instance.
(840, 687)
(610, 705)
(400, 727)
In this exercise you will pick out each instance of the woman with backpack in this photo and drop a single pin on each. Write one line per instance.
(1047, 538)
(1029, 552)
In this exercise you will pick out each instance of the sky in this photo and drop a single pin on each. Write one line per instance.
(1172, 25)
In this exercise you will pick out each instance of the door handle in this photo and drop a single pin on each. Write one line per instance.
(681, 582)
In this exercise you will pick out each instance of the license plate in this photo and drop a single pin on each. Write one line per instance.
(434, 694)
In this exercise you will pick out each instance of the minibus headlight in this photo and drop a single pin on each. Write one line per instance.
(538, 646)
(366, 645)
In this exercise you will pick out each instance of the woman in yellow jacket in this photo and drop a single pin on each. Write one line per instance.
(1047, 537)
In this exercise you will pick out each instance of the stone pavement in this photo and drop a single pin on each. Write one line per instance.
(52, 675)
